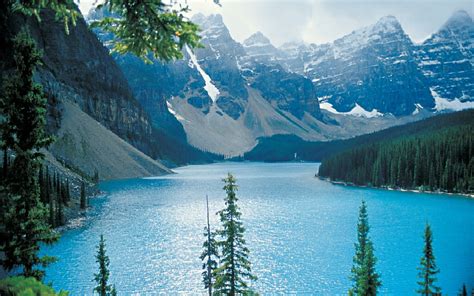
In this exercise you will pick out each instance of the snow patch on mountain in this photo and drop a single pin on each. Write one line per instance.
(454, 105)
(361, 112)
(210, 88)
(356, 111)
(171, 110)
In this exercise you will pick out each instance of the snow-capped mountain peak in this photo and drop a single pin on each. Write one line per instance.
(259, 47)
(256, 39)
(387, 24)
(459, 18)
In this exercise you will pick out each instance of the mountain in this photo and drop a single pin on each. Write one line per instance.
(291, 148)
(447, 59)
(372, 69)
(437, 157)
(259, 47)
(226, 95)
(378, 70)
(91, 109)
(223, 97)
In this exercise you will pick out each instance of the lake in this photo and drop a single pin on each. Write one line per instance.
(300, 231)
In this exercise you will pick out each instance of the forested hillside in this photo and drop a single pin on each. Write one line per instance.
(286, 147)
(435, 159)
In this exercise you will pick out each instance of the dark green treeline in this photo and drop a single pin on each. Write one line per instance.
(441, 160)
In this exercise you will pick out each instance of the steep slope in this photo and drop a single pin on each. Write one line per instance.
(447, 59)
(223, 98)
(76, 69)
(83, 144)
(290, 148)
(259, 47)
(438, 158)
(371, 69)
(77, 66)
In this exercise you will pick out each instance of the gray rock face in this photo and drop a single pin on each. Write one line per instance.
(285, 90)
(447, 58)
(373, 67)
(78, 67)
(378, 67)
(232, 67)
(259, 48)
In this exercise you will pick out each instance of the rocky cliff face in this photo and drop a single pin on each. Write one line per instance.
(374, 68)
(378, 70)
(80, 78)
(447, 59)
(76, 66)
(371, 78)
(222, 91)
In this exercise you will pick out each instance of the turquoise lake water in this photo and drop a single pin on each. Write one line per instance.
(300, 231)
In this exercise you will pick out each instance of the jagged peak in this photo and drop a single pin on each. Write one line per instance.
(458, 18)
(387, 23)
(292, 45)
(211, 19)
(257, 38)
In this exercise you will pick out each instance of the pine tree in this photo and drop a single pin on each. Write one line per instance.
(233, 274)
(83, 196)
(101, 278)
(364, 276)
(95, 179)
(463, 290)
(209, 255)
(59, 211)
(24, 107)
(428, 270)
(68, 191)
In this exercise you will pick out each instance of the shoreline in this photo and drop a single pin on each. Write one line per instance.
(342, 183)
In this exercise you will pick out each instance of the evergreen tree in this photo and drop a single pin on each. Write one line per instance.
(24, 107)
(59, 211)
(68, 191)
(209, 255)
(441, 159)
(364, 276)
(463, 290)
(83, 196)
(101, 278)
(95, 179)
(428, 270)
(233, 274)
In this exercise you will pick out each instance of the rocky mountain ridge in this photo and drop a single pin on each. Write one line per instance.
(379, 68)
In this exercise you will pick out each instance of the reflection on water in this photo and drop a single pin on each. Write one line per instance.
(300, 231)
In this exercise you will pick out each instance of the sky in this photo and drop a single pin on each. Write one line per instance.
(322, 21)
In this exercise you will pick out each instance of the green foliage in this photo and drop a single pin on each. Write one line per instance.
(437, 160)
(288, 145)
(463, 290)
(233, 273)
(209, 255)
(148, 28)
(427, 269)
(83, 196)
(21, 286)
(101, 278)
(364, 276)
(25, 218)
(64, 9)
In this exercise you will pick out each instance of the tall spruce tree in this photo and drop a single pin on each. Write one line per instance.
(364, 276)
(83, 196)
(234, 272)
(102, 277)
(209, 254)
(463, 291)
(427, 269)
(24, 107)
